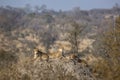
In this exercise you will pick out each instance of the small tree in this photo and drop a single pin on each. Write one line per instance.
(49, 36)
(74, 36)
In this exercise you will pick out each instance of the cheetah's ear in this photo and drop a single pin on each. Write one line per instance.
(35, 49)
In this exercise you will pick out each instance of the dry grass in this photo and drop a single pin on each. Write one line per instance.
(106, 70)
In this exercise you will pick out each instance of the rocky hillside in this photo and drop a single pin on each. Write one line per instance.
(56, 69)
